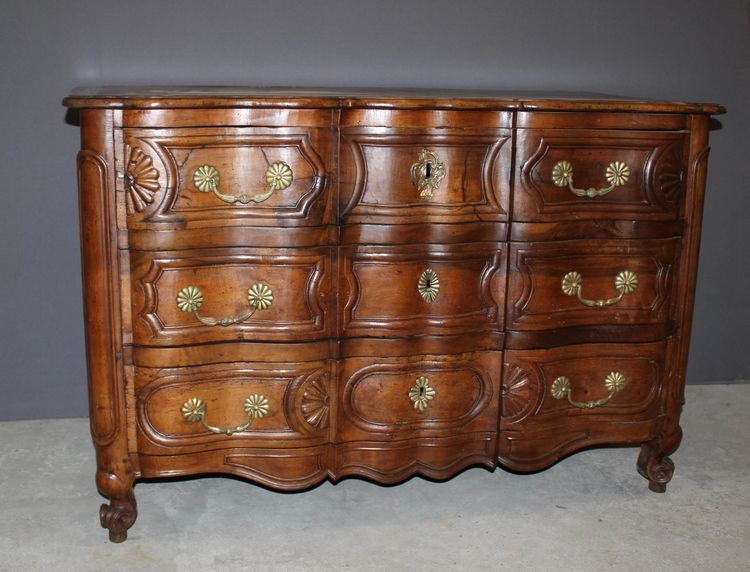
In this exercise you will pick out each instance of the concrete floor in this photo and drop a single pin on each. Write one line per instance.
(591, 511)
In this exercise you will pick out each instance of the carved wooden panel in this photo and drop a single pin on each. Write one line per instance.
(391, 462)
(279, 468)
(102, 355)
(287, 468)
(377, 185)
(653, 187)
(223, 388)
(376, 400)
(587, 367)
(536, 298)
(520, 393)
(380, 295)
(549, 426)
(300, 281)
(159, 169)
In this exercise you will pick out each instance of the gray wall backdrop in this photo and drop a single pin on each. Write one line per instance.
(675, 49)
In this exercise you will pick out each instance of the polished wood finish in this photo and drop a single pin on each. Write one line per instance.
(301, 281)
(653, 191)
(363, 375)
(170, 97)
(536, 269)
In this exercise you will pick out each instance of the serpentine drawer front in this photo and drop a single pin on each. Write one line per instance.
(297, 285)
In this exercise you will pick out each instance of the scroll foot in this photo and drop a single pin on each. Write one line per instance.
(118, 517)
(654, 463)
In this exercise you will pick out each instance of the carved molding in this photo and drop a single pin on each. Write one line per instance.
(425, 317)
(660, 168)
(406, 374)
(286, 387)
(489, 204)
(315, 403)
(316, 266)
(520, 393)
(394, 462)
(654, 260)
(93, 179)
(179, 183)
(667, 175)
(309, 467)
(140, 179)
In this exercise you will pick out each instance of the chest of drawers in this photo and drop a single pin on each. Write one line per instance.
(291, 286)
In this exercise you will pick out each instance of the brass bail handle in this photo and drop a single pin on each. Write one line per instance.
(614, 382)
(194, 411)
(278, 177)
(190, 299)
(616, 173)
(626, 282)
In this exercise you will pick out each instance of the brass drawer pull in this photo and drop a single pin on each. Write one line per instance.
(194, 410)
(626, 282)
(617, 174)
(278, 177)
(614, 382)
(190, 299)
(421, 393)
(427, 173)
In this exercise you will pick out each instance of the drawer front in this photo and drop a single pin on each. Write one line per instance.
(558, 400)
(590, 282)
(401, 166)
(213, 177)
(425, 396)
(182, 410)
(587, 174)
(192, 296)
(421, 290)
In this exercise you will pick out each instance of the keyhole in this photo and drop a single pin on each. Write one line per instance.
(428, 284)
(422, 391)
(427, 170)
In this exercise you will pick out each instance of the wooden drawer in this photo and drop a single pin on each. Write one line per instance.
(387, 399)
(575, 174)
(590, 282)
(287, 403)
(191, 178)
(197, 296)
(421, 289)
(425, 167)
(555, 401)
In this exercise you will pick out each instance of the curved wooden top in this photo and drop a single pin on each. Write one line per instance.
(217, 97)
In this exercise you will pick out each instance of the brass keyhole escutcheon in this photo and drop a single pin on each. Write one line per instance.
(421, 393)
(427, 173)
(428, 285)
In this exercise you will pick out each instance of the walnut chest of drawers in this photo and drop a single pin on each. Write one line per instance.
(291, 286)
